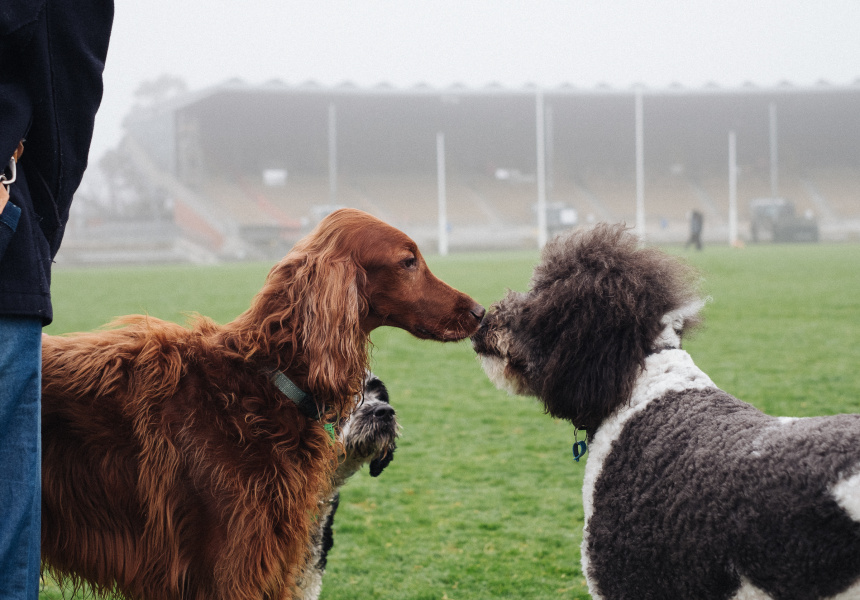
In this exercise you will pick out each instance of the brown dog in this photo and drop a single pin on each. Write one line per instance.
(175, 467)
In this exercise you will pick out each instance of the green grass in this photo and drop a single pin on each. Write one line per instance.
(483, 498)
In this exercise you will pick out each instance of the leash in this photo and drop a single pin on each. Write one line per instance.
(303, 401)
(579, 448)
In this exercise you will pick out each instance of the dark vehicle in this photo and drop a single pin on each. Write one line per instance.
(774, 219)
(560, 216)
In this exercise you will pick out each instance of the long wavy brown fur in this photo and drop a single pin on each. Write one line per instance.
(173, 468)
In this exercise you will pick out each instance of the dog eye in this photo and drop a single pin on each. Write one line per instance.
(409, 263)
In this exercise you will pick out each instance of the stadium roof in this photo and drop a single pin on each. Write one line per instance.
(498, 89)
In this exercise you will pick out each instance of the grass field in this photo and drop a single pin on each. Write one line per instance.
(483, 497)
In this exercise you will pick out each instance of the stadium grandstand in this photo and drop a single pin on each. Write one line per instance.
(245, 170)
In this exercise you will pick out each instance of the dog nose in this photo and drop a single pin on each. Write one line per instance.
(478, 312)
(383, 412)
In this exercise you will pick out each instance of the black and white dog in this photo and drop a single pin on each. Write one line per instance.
(689, 493)
(368, 436)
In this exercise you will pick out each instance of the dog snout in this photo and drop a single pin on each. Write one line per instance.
(478, 312)
(480, 343)
(384, 412)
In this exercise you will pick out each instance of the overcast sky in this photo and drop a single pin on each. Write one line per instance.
(440, 42)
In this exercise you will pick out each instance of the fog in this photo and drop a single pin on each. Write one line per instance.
(382, 77)
(548, 43)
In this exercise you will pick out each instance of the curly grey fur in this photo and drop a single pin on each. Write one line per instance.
(579, 337)
(688, 492)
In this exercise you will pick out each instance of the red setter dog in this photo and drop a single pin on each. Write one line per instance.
(175, 468)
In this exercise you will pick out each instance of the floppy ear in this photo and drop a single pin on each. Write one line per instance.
(589, 369)
(308, 316)
(378, 464)
(329, 301)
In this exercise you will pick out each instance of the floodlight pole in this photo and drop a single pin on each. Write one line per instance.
(549, 143)
(540, 126)
(640, 168)
(774, 156)
(443, 202)
(332, 154)
(733, 189)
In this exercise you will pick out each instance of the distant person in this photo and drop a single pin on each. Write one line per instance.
(697, 221)
(52, 54)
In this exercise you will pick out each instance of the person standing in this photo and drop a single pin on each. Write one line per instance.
(52, 56)
(697, 221)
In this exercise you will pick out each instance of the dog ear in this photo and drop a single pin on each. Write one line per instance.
(308, 314)
(584, 379)
(378, 464)
(330, 302)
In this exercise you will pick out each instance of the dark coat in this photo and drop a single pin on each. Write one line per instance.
(52, 55)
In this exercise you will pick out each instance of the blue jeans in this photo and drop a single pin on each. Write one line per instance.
(20, 456)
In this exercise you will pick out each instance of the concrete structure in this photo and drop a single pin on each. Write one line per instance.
(252, 167)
